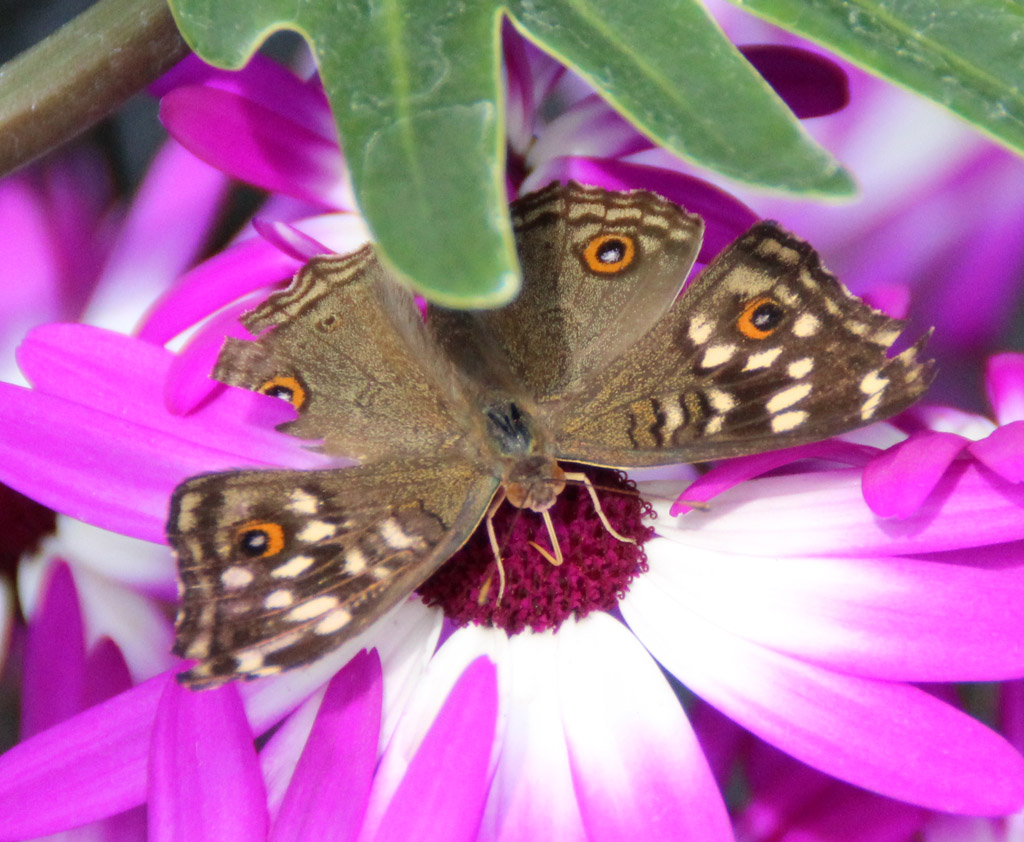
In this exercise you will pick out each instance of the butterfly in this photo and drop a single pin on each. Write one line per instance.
(598, 361)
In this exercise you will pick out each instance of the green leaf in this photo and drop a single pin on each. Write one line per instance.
(415, 88)
(967, 55)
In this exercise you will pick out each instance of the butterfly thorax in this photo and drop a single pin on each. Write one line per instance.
(531, 477)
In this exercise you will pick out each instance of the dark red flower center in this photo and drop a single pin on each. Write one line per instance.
(594, 575)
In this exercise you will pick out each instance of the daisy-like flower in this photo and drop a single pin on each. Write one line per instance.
(789, 605)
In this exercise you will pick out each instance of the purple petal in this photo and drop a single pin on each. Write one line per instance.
(890, 618)
(106, 673)
(1004, 379)
(290, 240)
(204, 778)
(263, 81)
(54, 675)
(179, 194)
(340, 757)
(53, 451)
(893, 739)
(123, 377)
(811, 84)
(1011, 712)
(1002, 451)
(240, 270)
(637, 767)
(589, 128)
(96, 761)
(898, 481)
(725, 217)
(735, 471)
(257, 145)
(442, 794)
(188, 383)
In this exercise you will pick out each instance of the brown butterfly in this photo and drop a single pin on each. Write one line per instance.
(595, 362)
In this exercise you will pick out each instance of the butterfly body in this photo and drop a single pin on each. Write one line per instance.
(596, 362)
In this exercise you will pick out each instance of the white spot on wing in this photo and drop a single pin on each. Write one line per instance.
(787, 397)
(717, 354)
(234, 578)
(278, 599)
(248, 660)
(316, 530)
(762, 359)
(720, 400)
(800, 368)
(700, 330)
(334, 621)
(806, 325)
(714, 425)
(355, 561)
(870, 406)
(313, 608)
(873, 382)
(303, 503)
(674, 417)
(787, 421)
(293, 567)
(396, 538)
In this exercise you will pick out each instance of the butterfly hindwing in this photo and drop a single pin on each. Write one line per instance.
(346, 345)
(765, 350)
(280, 567)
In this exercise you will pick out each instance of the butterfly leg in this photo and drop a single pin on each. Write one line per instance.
(579, 476)
(499, 498)
(557, 558)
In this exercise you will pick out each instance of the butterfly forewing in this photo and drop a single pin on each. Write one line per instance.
(280, 567)
(765, 350)
(346, 345)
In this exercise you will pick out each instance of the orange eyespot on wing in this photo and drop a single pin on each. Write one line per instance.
(287, 389)
(761, 318)
(259, 538)
(609, 253)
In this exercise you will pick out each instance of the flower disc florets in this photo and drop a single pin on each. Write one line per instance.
(595, 574)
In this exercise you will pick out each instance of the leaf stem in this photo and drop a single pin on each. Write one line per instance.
(68, 82)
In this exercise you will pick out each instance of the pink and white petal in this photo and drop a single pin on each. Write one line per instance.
(637, 768)
(940, 828)
(875, 734)
(53, 682)
(1003, 451)
(250, 142)
(442, 793)
(141, 565)
(945, 419)
(106, 673)
(1004, 380)
(404, 638)
(589, 128)
(281, 754)
(897, 482)
(289, 239)
(532, 795)
(53, 450)
(339, 757)
(892, 618)
(96, 761)
(137, 624)
(124, 378)
(825, 514)
(735, 471)
(456, 656)
(204, 778)
(179, 194)
(852, 815)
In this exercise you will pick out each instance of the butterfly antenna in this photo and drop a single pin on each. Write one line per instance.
(633, 492)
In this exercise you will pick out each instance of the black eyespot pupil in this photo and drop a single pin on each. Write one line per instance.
(254, 543)
(282, 392)
(767, 316)
(613, 251)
